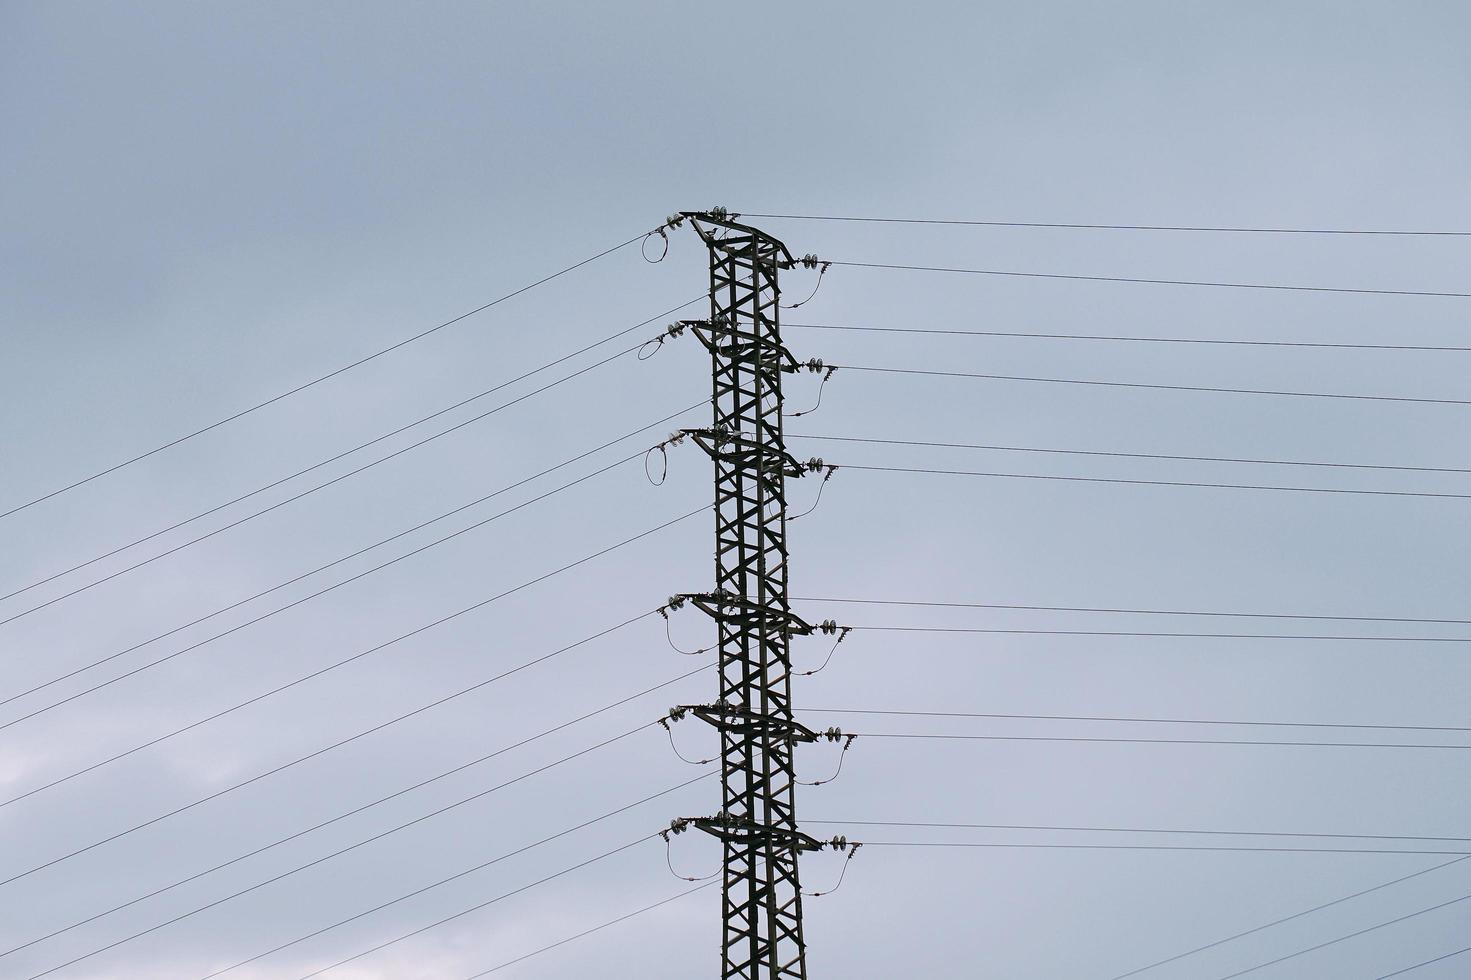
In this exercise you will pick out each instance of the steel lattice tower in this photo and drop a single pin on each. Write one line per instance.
(762, 901)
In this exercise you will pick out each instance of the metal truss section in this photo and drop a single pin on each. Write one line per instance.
(757, 823)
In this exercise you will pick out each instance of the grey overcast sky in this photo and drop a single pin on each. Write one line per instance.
(203, 205)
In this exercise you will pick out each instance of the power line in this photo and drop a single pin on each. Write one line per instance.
(935, 471)
(1142, 633)
(1160, 721)
(1107, 227)
(391, 796)
(1118, 338)
(1163, 847)
(1094, 452)
(321, 860)
(1139, 612)
(476, 908)
(1134, 830)
(310, 676)
(588, 932)
(1153, 387)
(460, 874)
(1126, 611)
(1153, 282)
(1289, 918)
(310, 490)
(300, 680)
(1156, 741)
(1437, 959)
(355, 554)
(1352, 935)
(317, 380)
(304, 599)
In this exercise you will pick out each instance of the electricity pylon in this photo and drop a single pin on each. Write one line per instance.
(757, 824)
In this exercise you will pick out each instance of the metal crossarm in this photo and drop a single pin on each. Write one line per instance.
(727, 829)
(736, 718)
(764, 458)
(722, 607)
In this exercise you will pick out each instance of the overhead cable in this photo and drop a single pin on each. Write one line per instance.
(878, 369)
(314, 381)
(320, 672)
(443, 881)
(1163, 847)
(1135, 720)
(1109, 227)
(456, 876)
(1352, 935)
(368, 840)
(1171, 635)
(937, 471)
(382, 799)
(300, 494)
(588, 932)
(299, 601)
(485, 904)
(1156, 741)
(1139, 612)
(1152, 282)
(936, 825)
(203, 721)
(1289, 918)
(1122, 455)
(1436, 959)
(361, 551)
(1117, 338)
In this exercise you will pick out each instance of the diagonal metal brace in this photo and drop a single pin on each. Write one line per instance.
(745, 833)
(721, 232)
(741, 448)
(726, 341)
(734, 718)
(726, 608)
